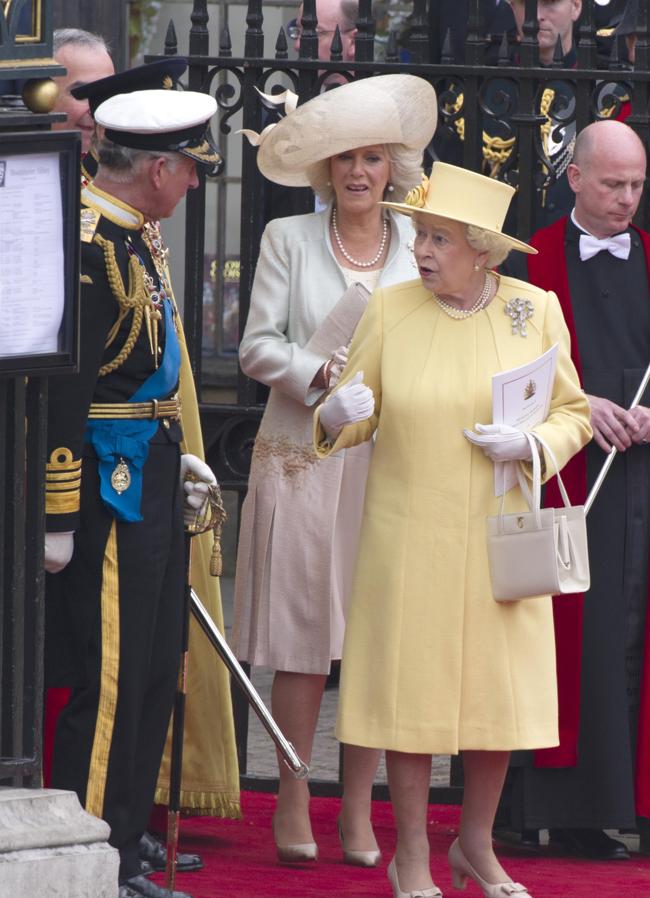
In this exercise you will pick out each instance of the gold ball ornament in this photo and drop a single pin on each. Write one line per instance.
(40, 94)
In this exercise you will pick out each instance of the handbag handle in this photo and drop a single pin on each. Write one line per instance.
(549, 452)
(534, 498)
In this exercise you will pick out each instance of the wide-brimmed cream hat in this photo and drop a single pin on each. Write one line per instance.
(385, 109)
(462, 195)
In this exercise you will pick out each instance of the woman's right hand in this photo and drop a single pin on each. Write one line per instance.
(354, 402)
(329, 373)
(337, 363)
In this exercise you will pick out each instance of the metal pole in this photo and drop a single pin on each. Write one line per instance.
(299, 769)
(612, 452)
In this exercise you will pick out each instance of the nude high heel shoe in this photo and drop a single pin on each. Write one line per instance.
(354, 856)
(300, 853)
(462, 870)
(418, 893)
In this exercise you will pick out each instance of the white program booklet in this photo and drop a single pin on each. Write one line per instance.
(521, 397)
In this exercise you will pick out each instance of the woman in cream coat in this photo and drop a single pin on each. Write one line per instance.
(301, 517)
(432, 664)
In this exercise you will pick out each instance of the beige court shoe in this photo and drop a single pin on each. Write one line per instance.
(299, 853)
(433, 892)
(462, 870)
(356, 857)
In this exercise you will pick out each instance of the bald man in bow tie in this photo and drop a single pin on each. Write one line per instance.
(598, 263)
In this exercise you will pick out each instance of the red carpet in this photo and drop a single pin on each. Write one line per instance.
(240, 861)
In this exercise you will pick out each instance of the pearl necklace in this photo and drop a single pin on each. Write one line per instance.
(346, 254)
(483, 297)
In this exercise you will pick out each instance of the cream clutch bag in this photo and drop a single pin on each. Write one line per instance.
(542, 551)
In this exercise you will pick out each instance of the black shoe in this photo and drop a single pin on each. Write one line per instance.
(527, 839)
(145, 868)
(125, 892)
(153, 852)
(139, 886)
(592, 843)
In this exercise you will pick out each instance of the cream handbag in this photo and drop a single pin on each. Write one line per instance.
(540, 552)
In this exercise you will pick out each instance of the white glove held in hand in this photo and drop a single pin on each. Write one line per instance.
(352, 403)
(196, 494)
(500, 442)
(58, 550)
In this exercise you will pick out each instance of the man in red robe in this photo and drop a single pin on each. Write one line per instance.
(599, 265)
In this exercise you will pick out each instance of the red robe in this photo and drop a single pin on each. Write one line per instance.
(548, 271)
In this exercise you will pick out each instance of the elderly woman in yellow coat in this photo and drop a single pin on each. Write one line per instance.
(432, 663)
(300, 521)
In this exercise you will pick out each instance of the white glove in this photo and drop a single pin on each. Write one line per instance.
(339, 361)
(352, 403)
(196, 494)
(58, 550)
(500, 442)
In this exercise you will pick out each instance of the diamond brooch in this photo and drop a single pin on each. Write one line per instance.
(519, 310)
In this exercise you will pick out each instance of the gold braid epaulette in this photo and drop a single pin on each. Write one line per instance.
(495, 149)
(135, 300)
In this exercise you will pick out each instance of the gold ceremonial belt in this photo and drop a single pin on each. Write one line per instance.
(155, 408)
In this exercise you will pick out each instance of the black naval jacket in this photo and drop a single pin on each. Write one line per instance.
(115, 346)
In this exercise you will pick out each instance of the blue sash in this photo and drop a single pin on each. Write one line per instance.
(127, 439)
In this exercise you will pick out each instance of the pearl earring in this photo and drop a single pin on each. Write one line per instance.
(390, 188)
(329, 183)
(477, 267)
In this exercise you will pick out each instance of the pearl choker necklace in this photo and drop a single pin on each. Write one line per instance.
(346, 254)
(483, 297)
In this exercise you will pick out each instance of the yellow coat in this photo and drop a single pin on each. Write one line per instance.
(431, 663)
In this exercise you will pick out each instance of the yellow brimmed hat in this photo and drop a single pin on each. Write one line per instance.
(461, 195)
(384, 109)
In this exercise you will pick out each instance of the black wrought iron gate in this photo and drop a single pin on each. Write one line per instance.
(471, 95)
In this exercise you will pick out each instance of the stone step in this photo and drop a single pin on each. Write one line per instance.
(51, 848)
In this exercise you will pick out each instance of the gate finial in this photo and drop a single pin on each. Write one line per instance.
(171, 42)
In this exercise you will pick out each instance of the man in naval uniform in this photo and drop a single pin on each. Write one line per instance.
(599, 265)
(117, 485)
(210, 783)
(79, 94)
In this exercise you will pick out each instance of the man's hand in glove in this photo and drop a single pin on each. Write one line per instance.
(58, 551)
(196, 487)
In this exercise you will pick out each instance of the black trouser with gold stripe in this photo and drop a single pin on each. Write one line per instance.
(123, 591)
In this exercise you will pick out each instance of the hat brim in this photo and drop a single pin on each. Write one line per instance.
(513, 242)
(205, 154)
(366, 112)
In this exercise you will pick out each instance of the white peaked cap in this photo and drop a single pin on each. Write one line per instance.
(155, 111)
(163, 121)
